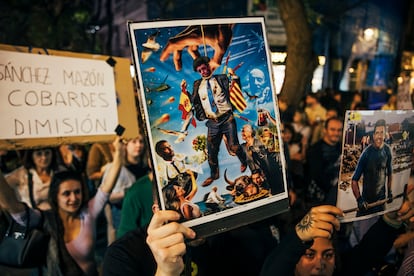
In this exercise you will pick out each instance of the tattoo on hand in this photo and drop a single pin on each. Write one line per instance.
(305, 223)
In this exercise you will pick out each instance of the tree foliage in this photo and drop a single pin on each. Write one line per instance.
(58, 24)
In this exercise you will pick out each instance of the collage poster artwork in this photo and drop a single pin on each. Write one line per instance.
(209, 106)
(376, 162)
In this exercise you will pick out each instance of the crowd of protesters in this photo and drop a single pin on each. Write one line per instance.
(312, 133)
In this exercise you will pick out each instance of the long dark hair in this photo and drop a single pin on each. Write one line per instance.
(60, 177)
(170, 196)
(28, 162)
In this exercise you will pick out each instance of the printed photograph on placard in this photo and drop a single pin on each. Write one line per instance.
(209, 106)
(376, 162)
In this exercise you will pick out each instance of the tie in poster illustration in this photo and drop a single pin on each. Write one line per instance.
(376, 162)
(209, 107)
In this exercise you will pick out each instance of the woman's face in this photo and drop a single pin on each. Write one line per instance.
(135, 147)
(297, 117)
(179, 190)
(69, 197)
(318, 260)
(42, 158)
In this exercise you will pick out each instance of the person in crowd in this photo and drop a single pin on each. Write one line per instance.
(135, 166)
(136, 209)
(286, 111)
(333, 100)
(31, 181)
(407, 264)
(323, 161)
(73, 157)
(391, 103)
(301, 125)
(99, 155)
(311, 248)
(319, 128)
(10, 160)
(315, 112)
(71, 219)
(356, 103)
(211, 102)
(297, 145)
(173, 249)
(404, 244)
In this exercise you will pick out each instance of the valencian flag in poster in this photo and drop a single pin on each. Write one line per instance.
(213, 126)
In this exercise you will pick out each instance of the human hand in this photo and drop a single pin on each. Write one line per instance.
(402, 240)
(183, 85)
(119, 147)
(362, 204)
(217, 36)
(319, 222)
(405, 213)
(166, 239)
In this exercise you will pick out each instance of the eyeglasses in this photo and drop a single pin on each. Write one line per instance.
(40, 153)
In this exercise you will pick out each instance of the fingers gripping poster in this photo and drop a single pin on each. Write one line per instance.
(208, 102)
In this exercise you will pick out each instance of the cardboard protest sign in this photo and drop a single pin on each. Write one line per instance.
(210, 111)
(53, 97)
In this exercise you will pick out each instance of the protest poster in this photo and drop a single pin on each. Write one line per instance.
(376, 162)
(218, 161)
(51, 97)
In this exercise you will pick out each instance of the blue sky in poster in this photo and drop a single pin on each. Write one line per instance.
(247, 47)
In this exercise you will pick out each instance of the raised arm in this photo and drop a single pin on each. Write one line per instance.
(193, 186)
(113, 173)
(8, 199)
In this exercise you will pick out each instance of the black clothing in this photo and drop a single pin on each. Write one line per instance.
(129, 255)
(138, 170)
(323, 161)
(355, 261)
(223, 254)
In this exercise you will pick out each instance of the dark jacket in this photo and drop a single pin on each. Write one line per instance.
(224, 83)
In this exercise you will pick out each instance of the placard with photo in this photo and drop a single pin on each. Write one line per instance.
(376, 162)
(209, 106)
